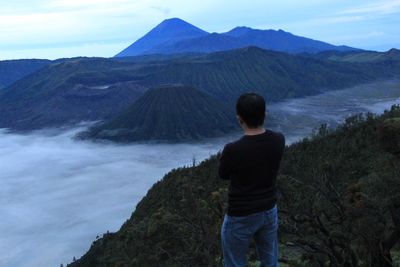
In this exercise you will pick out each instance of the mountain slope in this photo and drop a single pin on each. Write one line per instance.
(54, 96)
(205, 44)
(176, 36)
(339, 196)
(107, 86)
(168, 31)
(225, 75)
(13, 70)
(170, 113)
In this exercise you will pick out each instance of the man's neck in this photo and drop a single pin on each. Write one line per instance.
(254, 131)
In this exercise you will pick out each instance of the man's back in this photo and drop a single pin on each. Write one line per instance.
(251, 163)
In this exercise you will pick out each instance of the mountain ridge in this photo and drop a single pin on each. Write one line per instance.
(199, 41)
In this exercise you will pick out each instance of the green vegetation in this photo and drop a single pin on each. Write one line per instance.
(339, 201)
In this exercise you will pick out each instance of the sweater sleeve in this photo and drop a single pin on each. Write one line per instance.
(225, 163)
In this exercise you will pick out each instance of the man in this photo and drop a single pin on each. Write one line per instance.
(251, 164)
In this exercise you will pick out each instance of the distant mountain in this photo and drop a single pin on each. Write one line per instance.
(359, 56)
(243, 36)
(84, 89)
(275, 75)
(13, 70)
(168, 113)
(168, 31)
(282, 41)
(177, 36)
(53, 96)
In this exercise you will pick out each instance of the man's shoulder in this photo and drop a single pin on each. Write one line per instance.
(231, 145)
(277, 136)
(269, 135)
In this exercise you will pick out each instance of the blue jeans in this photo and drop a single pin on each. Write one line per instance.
(237, 232)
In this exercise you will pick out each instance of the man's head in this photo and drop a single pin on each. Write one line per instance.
(250, 109)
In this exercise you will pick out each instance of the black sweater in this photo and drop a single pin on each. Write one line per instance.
(251, 164)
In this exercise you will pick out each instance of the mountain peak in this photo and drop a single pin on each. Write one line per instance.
(154, 117)
(176, 27)
(238, 31)
(174, 21)
(243, 28)
(168, 31)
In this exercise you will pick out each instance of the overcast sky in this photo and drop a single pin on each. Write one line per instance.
(67, 28)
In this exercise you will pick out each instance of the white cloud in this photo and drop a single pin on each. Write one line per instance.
(58, 194)
(379, 8)
(163, 10)
(338, 19)
(61, 23)
(86, 3)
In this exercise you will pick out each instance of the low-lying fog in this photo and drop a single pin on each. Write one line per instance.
(57, 195)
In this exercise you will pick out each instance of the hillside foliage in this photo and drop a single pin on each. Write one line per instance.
(339, 203)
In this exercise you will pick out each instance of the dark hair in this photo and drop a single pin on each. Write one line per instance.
(251, 108)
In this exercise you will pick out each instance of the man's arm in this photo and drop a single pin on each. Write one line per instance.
(225, 164)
